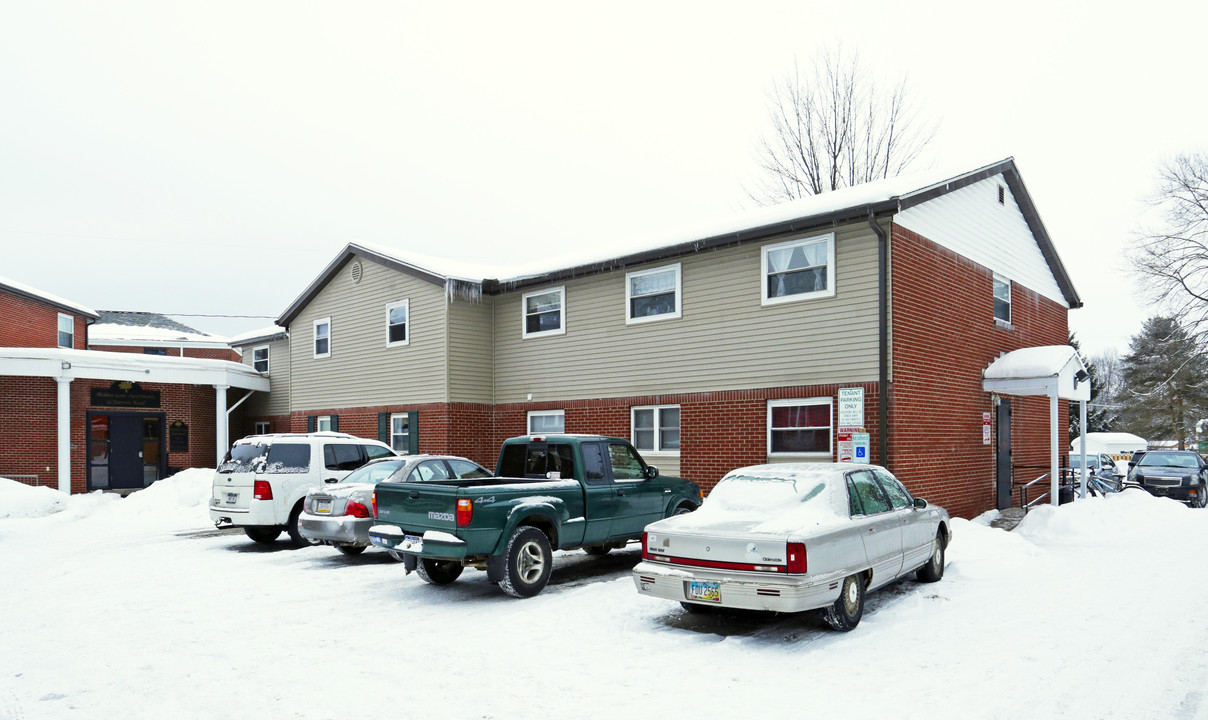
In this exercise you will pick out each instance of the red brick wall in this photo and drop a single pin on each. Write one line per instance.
(944, 336)
(28, 323)
(206, 353)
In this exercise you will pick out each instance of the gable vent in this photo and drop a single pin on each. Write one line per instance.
(1002, 195)
(357, 272)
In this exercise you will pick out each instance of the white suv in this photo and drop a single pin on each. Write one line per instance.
(262, 481)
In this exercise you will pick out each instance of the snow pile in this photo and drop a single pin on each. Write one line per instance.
(18, 500)
(179, 502)
(1124, 518)
(1032, 362)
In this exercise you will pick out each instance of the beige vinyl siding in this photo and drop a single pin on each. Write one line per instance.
(471, 361)
(276, 400)
(362, 371)
(726, 340)
(667, 464)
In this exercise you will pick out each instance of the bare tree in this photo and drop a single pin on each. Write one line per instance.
(1176, 256)
(834, 127)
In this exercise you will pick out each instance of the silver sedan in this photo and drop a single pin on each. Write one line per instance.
(795, 537)
(341, 514)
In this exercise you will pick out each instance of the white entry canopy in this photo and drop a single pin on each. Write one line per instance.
(1051, 370)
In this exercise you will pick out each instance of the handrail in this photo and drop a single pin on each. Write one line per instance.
(1023, 492)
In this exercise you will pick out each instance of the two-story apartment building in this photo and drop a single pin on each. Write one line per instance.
(711, 350)
(105, 400)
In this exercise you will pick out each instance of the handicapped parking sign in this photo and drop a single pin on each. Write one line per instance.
(859, 442)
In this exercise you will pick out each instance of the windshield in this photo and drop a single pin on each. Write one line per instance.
(1091, 462)
(1169, 459)
(374, 472)
(242, 458)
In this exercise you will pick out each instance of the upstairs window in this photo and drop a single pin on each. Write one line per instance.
(799, 427)
(66, 331)
(323, 338)
(545, 422)
(260, 359)
(656, 429)
(543, 312)
(1002, 300)
(396, 323)
(653, 294)
(799, 270)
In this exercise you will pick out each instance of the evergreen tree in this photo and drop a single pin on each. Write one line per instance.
(1098, 419)
(1165, 382)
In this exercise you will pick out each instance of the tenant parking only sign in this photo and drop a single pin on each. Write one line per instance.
(851, 408)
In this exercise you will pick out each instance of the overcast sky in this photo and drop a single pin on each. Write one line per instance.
(212, 157)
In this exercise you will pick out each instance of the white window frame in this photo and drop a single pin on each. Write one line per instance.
(322, 420)
(263, 427)
(314, 343)
(524, 333)
(829, 239)
(544, 413)
(59, 329)
(658, 426)
(406, 305)
(406, 450)
(1010, 310)
(679, 295)
(266, 358)
(827, 401)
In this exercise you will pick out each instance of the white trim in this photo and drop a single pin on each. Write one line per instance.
(679, 295)
(544, 413)
(406, 450)
(406, 305)
(829, 239)
(101, 365)
(267, 363)
(524, 333)
(319, 423)
(59, 328)
(827, 401)
(656, 450)
(314, 337)
(94, 341)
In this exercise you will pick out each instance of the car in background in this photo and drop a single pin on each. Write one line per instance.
(1100, 465)
(794, 537)
(341, 514)
(261, 482)
(1178, 474)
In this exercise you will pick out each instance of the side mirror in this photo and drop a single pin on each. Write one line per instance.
(920, 503)
(651, 472)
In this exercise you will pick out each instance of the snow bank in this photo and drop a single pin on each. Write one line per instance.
(18, 500)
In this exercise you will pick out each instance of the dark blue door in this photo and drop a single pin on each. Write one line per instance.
(125, 451)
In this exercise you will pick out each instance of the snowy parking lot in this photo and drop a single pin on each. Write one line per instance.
(125, 608)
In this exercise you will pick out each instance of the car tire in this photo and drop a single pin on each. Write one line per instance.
(1203, 496)
(529, 563)
(395, 555)
(295, 533)
(351, 550)
(438, 572)
(263, 535)
(933, 570)
(845, 614)
(683, 509)
(597, 550)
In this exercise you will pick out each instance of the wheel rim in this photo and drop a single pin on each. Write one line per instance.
(937, 556)
(851, 596)
(530, 563)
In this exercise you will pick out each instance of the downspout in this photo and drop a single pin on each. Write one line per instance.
(882, 339)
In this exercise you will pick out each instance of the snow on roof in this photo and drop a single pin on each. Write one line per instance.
(264, 333)
(108, 333)
(870, 193)
(1034, 362)
(24, 289)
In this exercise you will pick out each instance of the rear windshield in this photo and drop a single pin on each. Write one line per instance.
(287, 458)
(242, 458)
(375, 472)
(1168, 459)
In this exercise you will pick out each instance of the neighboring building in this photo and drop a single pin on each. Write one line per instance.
(267, 352)
(709, 351)
(85, 419)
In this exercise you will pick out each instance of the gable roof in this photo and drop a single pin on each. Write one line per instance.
(21, 289)
(145, 319)
(128, 328)
(859, 202)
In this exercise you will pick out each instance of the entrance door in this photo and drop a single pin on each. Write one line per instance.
(1003, 453)
(125, 451)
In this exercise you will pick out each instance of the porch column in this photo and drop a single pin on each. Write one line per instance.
(64, 405)
(220, 435)
(1082, 424)
(1054, 470)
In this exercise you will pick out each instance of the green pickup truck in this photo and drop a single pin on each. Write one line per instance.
(553, 492)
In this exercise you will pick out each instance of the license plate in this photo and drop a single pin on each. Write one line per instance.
(708, 591)
(323, 507)
(412, 543)
(232, 498)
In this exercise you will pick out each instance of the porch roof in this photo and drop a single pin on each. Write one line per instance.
(1050, 370)
(96, 364)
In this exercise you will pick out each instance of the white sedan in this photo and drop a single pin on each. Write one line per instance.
(795, 537)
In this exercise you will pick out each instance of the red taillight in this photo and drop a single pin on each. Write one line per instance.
(796, 563)
(465, 512)
(261, 490)
(375, 503)
(356, 509)
(645, 552)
